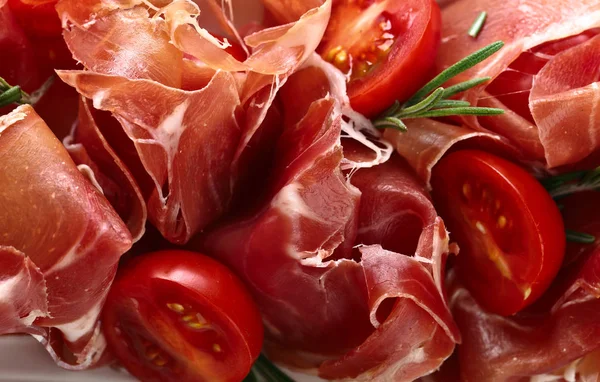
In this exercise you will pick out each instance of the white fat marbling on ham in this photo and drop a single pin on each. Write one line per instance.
(82, 326)
(89, 174)
(353, 124)
(319, 289)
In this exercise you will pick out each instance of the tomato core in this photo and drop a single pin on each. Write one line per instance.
(370, 31)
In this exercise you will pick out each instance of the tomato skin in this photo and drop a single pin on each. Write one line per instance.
(403, 72)
(37, 17)
(409, 63)
(509, 230)
(176, 315)
(18, 65)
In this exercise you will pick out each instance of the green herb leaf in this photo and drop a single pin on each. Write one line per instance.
(572, 182)
(463, 86)
(579, 237)
(481, 111)
(268, 372)
(390, 122)
(451, 103)
(251, 377)
(456, 69)
(11, 94)
(477, 25)
(424, 105)
(431, 100)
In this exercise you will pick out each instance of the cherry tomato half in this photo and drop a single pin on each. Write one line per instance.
(387, 47)
(509, 230)
(180, 316)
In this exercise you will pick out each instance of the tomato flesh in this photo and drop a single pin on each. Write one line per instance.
(377, 43)
(181, 316)
(508, 228)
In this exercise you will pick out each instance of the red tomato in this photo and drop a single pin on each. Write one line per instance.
(387, 47)
(181, 316)
(37, 17)
(18, 65)
(512, 87)
(508, 228)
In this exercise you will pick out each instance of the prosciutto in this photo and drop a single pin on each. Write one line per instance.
(58, 231)
(545, 77)
(332, 297)
(563, 324)
(428, 140)
(195, 115)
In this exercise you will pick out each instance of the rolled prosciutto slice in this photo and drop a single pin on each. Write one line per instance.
(195, 116)
(60, 243)
(546, 68)
(559, 336)
(321, 252)
(545, 78)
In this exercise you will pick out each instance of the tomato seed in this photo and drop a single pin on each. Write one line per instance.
(175, 307)
(501, 221)
(466, 189)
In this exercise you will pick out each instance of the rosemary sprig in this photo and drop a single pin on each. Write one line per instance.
(477, 25)
(11, 94)
(445, 112)
(454, 70)
(432, 99)
(572, 182)
(579, 237)
(266, 371)
(562, 185)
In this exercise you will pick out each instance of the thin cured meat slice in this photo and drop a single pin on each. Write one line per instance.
(428, 140)
(537, 124)
(44, 197)
(191, 142)
(116, 181)
(126, 43)
(324, 305)
(24, 297)
(565, 102)
(288, 10)
(564, 323)
(498, 349)
(185, 140)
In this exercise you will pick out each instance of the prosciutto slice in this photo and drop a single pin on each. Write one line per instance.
(547, 127)
(328, 304)
(58, 231)
(428, 140)
(118, 185)
(195, 115)
(559, 336)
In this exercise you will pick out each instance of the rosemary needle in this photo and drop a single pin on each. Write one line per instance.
(579, 237)
(432, 99)
(477, 25)
(11, 94)
(454, 70)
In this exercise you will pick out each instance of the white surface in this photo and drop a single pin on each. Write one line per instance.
(23, 359)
